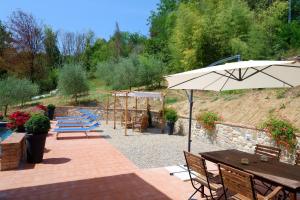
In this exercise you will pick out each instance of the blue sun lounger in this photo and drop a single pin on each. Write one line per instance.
(72, 117)
(85, 113)
(76, 130)
(79, 124)
(88, 119)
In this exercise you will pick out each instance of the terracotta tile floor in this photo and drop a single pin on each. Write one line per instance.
(88, 168)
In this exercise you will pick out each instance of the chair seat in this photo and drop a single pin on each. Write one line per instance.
(213, 183)
(242, 197)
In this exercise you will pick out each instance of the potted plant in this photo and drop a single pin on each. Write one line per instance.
(37, 128)
(208, 120)
(171, 117)
(17, 121)
(51, 109)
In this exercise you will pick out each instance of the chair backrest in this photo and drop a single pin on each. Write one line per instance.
(297, 161)
(237, 181)
(271, 152)
(196, 164)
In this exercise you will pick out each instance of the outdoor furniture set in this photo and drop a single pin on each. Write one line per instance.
(243, 175)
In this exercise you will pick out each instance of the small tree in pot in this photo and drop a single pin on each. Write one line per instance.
(51, 109)
(37, 128)
(171, 117)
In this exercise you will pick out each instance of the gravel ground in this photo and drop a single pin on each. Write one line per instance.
(152, 149)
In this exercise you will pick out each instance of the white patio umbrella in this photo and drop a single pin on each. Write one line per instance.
(236, 75)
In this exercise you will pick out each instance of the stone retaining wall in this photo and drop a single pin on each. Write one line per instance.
(12, 151)
(233, 136)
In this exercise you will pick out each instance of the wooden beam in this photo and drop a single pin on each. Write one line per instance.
(126, 111)
(107, 106)
(162, 125)
(136, 103)
(115, 99)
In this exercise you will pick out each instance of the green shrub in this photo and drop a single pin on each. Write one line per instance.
(51, 107)
(281, 130)
(171, 115)
(208, 119)
(281, 93)
(38, 124)
(72, 81)
(170, 100)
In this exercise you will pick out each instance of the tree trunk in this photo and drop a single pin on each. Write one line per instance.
(5, 110)
(76, 99)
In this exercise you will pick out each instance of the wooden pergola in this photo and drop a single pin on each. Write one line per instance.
(137, 95)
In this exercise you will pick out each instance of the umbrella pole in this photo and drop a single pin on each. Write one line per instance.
(190, 120)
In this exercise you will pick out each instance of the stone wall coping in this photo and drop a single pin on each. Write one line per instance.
(14, 138)
(239, 125)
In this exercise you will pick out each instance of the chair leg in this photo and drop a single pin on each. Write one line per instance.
(200, 189)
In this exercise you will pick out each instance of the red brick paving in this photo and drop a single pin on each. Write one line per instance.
(88, 168)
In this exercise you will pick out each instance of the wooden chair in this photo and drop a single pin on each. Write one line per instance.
(271, 152)
(199, 175)
(140, 123)
(297, 161)
(241, 185)
(129, 120)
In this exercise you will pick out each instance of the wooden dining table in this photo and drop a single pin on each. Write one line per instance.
(272, 171)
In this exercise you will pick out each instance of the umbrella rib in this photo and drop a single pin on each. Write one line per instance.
(230, 74)
(189, 80)
(273, 77)
(245, 73)
(226, 81)
(257, 71)
(212, 82)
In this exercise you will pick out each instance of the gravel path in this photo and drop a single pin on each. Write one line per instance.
(152, 149)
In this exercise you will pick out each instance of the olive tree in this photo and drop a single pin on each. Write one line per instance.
(14, 91)
(72, 80)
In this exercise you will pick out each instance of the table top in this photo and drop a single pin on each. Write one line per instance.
(272, 171)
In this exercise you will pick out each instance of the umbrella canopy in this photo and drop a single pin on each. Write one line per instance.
(236, 75)
(239, 75)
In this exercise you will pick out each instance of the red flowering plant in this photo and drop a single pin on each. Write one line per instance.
(41, 107)
(17, 121)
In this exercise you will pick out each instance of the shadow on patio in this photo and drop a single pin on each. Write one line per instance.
(124, 186)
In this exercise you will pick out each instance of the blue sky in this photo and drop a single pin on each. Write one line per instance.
(83, 15)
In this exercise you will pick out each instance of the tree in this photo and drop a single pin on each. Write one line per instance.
(117, 41)
(27, 36)
(72, 80)
(13, 91)
(88, 52)
(51, 48)
(5, 44)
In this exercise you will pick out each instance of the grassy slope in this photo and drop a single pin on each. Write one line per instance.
(249, 107)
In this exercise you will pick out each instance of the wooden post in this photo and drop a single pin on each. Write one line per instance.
(126, 110)
(147, 103)
(107, 106)
(136, 107)
(115, 110)
(162, 126)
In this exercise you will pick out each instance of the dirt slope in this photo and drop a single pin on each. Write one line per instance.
(245, 107)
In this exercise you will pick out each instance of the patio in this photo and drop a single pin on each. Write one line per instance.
(89, 168)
